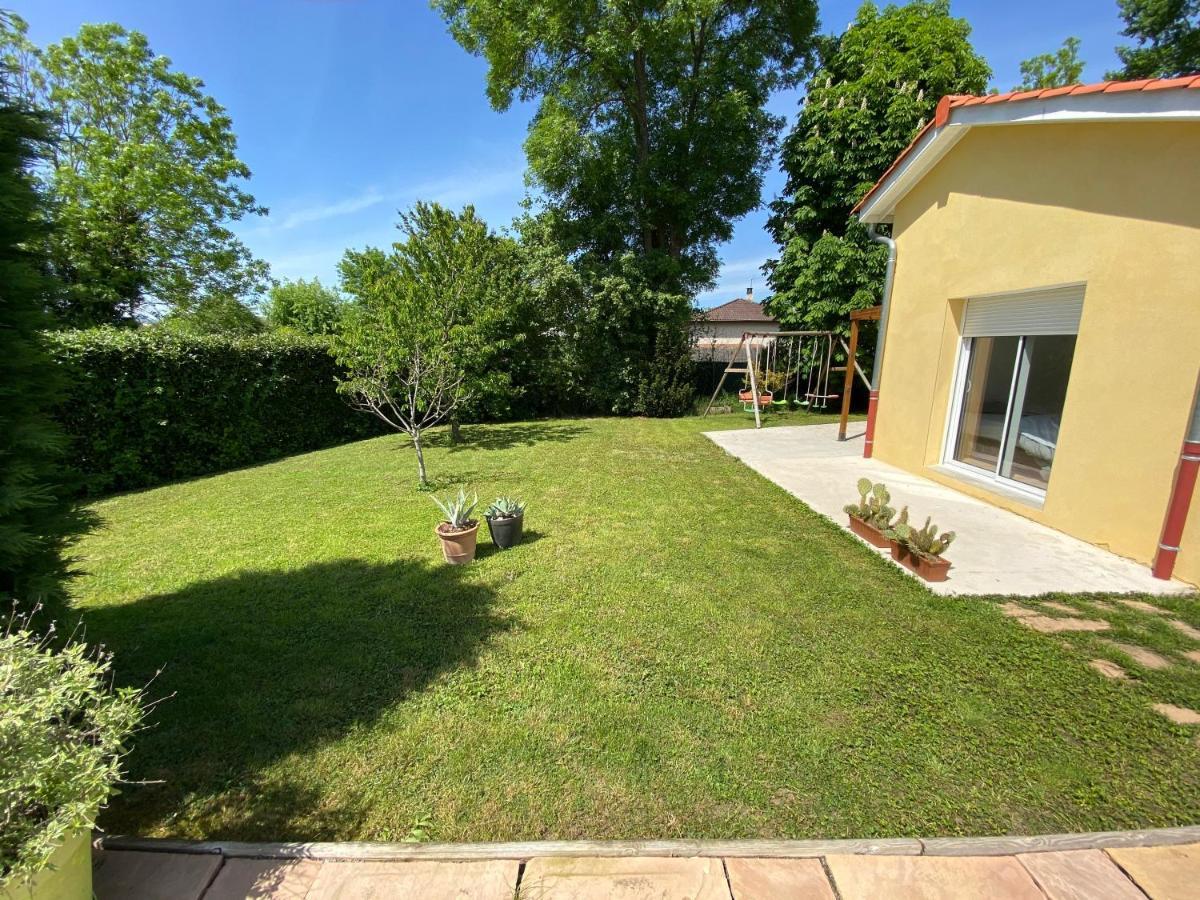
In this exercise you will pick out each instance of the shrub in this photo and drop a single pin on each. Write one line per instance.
(62, 736)
(668, 388)
(153, 405)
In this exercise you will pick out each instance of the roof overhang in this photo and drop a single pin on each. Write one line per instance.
(1177, 100)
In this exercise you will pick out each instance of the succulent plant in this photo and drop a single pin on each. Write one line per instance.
(457, 510)
(924, 540)
(872, 506)
(505, 508)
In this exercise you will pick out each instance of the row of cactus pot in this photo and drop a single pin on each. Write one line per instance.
(930, 568)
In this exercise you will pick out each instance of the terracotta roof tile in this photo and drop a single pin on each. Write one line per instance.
(737, 310)
(953, 101)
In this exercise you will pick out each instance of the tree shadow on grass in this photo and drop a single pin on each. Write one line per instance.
(507, 436)
(267, 666)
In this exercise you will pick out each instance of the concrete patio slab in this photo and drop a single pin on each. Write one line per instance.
(778, 879)
(633, 878)
(139, 875)
(1164, 873)
(1079, 875)
(269, 879)
(996, 551)
(482, 880)
(931, 877)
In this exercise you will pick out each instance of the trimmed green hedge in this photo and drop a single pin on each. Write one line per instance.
(150, 406)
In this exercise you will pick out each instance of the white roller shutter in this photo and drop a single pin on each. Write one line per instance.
(1050, 311)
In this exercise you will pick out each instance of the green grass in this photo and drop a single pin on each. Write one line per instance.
(679, 649)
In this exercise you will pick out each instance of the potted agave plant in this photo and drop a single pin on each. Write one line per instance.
(506, 521)
(458, 531)
(871, 517)
(920, 549)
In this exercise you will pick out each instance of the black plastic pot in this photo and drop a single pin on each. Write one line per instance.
(507, 532)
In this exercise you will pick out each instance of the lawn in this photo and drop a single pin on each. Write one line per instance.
(679, 649)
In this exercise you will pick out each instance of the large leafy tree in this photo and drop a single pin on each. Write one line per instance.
(1167, 33)
(651, 134)
(38, 518)
(876, 86)
(1051, 70)
(144, 179)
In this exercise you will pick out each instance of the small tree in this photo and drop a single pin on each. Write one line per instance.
(306, 306)
(421, 313)
(1051, 70)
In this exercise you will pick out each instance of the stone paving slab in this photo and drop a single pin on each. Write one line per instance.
(137, 875)
(477, 880)
(276, 879)
(632, 878)
(1164, 873)
(769, 879)
(1079, 875)
(931, 877)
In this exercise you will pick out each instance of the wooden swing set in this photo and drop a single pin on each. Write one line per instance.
(789, 361)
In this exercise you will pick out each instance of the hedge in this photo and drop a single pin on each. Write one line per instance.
(149, 406)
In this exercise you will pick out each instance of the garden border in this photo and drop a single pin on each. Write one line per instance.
(777, 849)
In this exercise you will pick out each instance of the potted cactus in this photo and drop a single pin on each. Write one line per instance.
(458, 531)
(506, 521)
(920, 549)
(871, 517)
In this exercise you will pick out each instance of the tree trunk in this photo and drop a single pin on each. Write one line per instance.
(416, 439)
(455, 430)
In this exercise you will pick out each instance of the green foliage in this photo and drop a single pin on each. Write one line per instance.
(458, 509)
(154, 405)
(877, 85)
(505, 508)
(651, 133)
(305, 306)
(62, 736)
(872, 507)
(38, 520)
(668, 388)
(924, 540)
(213, 315)
(1051, 70)
(432, 322)
(143, 177)
(1167, 33)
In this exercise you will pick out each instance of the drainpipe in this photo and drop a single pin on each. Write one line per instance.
(877, 367)
(1181, 495)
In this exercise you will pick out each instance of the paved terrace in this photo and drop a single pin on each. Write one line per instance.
(995, 552)
(1161, 865)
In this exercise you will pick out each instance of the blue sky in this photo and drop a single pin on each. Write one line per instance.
(347, 110)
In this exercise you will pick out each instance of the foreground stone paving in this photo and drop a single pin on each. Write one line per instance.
(933, 870)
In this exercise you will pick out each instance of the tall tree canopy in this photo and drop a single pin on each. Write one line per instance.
(876, 86)
(143, 178)
(1051, 70)
(1168, 38)
(38, 519)
(651, 135)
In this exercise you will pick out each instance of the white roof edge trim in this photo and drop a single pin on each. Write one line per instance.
(1172, 105)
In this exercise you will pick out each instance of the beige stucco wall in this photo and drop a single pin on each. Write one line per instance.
(1010, 208)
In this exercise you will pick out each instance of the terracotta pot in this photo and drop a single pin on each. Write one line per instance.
(869, 533)
(458, 546)
(930, 568)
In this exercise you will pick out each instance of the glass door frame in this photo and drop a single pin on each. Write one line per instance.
(1017, 383)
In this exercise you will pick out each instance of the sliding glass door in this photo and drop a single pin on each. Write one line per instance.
(1011, 395)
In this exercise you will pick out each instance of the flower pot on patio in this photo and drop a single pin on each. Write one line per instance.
(458, 546)
(68, 876)
(869, 533)
(930, 568)
(506, 531)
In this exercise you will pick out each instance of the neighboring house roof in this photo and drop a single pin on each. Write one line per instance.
(738, 310)
(1153, 99)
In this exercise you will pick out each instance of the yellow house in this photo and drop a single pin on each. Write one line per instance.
(1042, 331)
